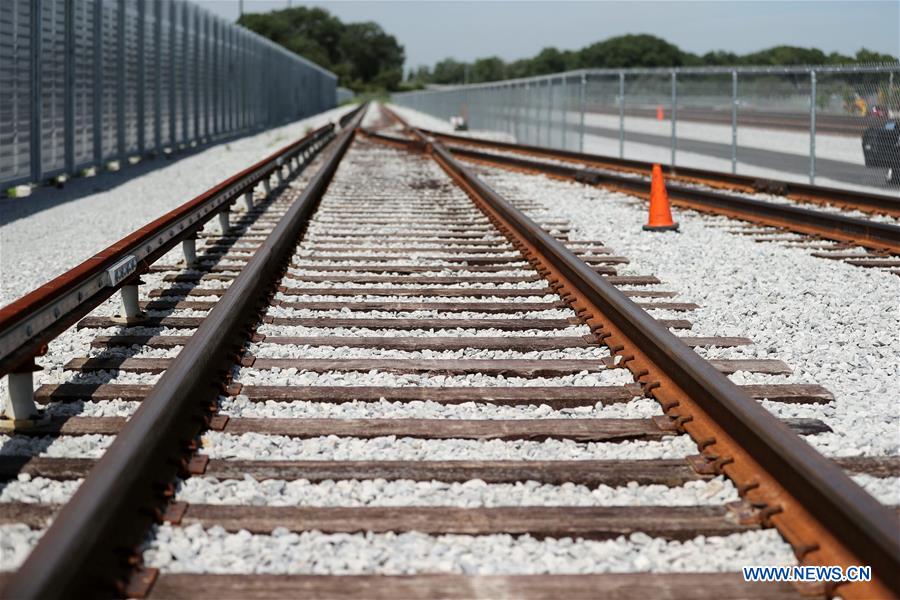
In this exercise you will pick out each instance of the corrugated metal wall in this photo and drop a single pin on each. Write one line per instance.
(16, 49)
(83, 82)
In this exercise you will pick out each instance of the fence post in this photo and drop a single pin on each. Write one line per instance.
(674, 114)
(537, 113)
(36, 99)
(97, 129)
(550, 112)
(581, 102)
(621, 114)
(524, 123)
(141, 72)
(565, 112)
(493, 97)
(734, 109)
(508, 95)
(521, 99)
(812, 127)
(502, 96)
(69, 96)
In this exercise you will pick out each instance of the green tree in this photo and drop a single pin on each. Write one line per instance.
(371, 53)
(519, 68)
(362, 55)
(487, 69)
(630, 51)
(719, 58)
(311, 32)
(449, 71)
(421, 74)
(785, 55)
(867, 56)
(548, 60)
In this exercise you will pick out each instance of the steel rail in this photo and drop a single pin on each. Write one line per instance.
(826, 516)
(835, 226)
(802, 192)
(29, 323)
(91, 547)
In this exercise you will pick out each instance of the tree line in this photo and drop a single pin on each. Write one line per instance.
(368, 59)
(363, 56)
(625, 51)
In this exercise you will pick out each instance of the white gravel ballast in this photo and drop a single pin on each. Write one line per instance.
(16, 540)
(212, 550)
(832, 323)
(74, 225)
(192, 549)
(379, 179)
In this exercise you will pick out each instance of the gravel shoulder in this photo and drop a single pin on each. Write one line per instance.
(73, 223)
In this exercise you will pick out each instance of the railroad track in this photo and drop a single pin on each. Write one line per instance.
(387, 320)
(799, 192)
(824, 230)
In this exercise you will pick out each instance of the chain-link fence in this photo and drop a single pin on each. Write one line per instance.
(83, 82)
(343, 95)
(833, 126)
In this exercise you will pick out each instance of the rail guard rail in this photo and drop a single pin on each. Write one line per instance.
(90, 546)
(29, 323)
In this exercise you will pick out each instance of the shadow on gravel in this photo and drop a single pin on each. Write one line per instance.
(49, 196)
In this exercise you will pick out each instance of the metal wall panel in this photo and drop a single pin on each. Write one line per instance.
(83, 83)
(53, 85)
(176, 78)
(204, 74)
(167, 48)
(109, 80)
(91, 81)
(15, 90)
(150, 68)
(130, 101)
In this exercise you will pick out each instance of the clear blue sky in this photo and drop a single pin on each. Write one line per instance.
(432, 30)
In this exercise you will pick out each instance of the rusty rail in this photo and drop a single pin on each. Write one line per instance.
(834, 226)
(882, 237)
(88, 550)
(801, 192)
(826, 517)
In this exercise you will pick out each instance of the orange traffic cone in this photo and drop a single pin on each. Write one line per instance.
(660, 115)
(660, 213)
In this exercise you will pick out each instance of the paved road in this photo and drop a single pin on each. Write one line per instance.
(793, 164)
(847, 125)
